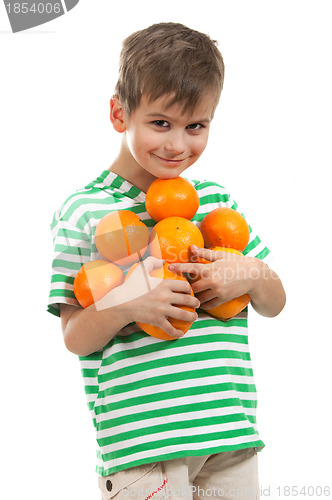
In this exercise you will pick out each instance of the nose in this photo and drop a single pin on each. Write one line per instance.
(175, 142)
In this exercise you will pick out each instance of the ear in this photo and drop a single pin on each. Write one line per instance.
(117, 115)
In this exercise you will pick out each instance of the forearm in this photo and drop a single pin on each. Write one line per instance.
(89, 330)
(267, 293)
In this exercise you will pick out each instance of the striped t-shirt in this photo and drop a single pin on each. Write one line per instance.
(150, 399)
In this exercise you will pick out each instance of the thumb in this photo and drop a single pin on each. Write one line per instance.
(140, 276)
(151, 263)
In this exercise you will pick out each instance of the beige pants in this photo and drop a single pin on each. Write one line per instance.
(228, 476)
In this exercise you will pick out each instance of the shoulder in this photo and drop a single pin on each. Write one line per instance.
(211, 192)
(84, 204)
(72, 209)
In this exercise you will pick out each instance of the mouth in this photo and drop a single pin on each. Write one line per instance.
(176, 161)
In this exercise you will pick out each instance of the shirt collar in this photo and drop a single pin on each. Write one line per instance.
(118, 184)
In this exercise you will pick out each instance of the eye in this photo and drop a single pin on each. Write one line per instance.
(161, 123)
(195, 126)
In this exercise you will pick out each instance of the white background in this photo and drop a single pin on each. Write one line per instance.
(270, 145)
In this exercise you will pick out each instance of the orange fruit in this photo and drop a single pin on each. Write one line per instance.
(121, 237)
(131, 269)
(226, 249)
(225, 227)
(95, 279)
(171, 238)
(171, 197)
(232, 307)
(155, 331)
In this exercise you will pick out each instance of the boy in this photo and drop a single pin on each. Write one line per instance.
(174, 419)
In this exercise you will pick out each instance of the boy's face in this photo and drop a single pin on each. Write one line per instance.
(165, 142)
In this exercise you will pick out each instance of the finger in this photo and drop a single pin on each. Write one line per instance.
(205, 253)
(167, 326)
(179, 313)
(170, 330)
(151, 263)
(179, 286)
(141, 275)
(191, 268)
(146, 266)
(212, 303)
(184, 299)
(206, 296)
(201, 285)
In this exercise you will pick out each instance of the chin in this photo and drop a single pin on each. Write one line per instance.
(169, 175)
(172, 173)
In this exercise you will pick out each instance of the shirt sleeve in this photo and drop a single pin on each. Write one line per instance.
(72, 249)
(256, 247)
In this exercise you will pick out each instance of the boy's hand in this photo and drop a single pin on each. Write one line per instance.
(152, 300)
(227, 276)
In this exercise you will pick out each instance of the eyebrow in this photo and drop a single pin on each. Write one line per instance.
(161, 115)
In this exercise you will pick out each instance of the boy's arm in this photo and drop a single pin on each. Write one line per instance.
(140, 298)
(267, 293)
(87, 330)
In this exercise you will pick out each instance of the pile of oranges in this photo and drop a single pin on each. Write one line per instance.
(122, 239)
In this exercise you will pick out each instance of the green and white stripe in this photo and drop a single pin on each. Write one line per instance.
(150, 399)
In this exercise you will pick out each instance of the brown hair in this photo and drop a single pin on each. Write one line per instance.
(169, 59)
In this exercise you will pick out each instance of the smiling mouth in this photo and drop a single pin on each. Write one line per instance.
(169, 160)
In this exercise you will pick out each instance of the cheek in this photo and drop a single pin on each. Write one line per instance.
(141, 143)
(199, 145)
(134, 145)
